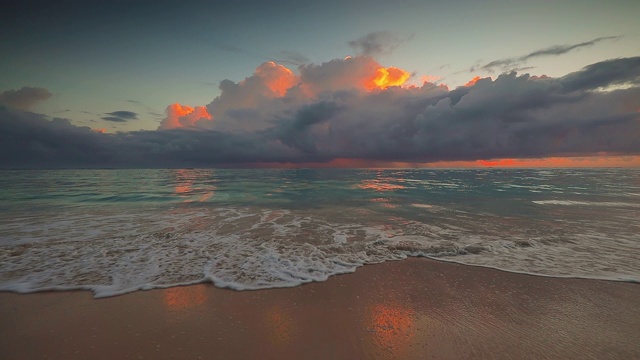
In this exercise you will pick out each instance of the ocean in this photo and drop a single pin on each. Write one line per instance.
(118, 231)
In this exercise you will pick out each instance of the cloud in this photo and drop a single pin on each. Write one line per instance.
(624, 71)
(274, 91)
(321, 118)
(556, 50)
(24, 98)
(358, 72)
(120, 116)
(129, 115)
(183, 116)
(563, 49)
(376, 43)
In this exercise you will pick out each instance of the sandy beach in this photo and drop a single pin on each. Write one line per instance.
(411, 309)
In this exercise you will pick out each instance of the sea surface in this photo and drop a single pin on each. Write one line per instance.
(117, 231)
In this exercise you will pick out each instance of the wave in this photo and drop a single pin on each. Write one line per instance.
(255, 248)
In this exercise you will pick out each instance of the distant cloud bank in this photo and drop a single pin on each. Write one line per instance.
(352, 108)
(24, 98)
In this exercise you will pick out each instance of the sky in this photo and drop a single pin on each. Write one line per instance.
(329, 83)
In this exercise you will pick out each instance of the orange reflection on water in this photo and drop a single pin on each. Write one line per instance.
(379, 185)
(184, 297)
(206, 196)
(184, 179)
(182, 189)
(280, 325)
(392, 325)
(384, 202)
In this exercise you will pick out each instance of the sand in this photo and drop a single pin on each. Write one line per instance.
(410, 309)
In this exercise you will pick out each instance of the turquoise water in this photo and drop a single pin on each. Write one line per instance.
(116, 231)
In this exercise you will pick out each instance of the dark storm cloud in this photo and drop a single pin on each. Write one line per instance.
(29, 140)
(120, 116)
(511, 63)
(124, 114)
(296, 131)
(376, 43)
(603, 74)
(113, 119)
(513, 116)
(24, 98)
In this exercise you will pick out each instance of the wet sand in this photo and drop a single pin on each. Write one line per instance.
(411, 309)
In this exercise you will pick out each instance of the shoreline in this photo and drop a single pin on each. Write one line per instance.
(413, 308)
(90, 289)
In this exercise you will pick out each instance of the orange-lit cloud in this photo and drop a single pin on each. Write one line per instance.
(349, 112)
(429, 78)
(385, 77)
(183, 116)
(100, 130)
(276, 77)
(472, 81)
(352, 72)
(250, 104)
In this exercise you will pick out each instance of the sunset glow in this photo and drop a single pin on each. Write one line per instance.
(429, 78)
(358, 179)
(386, 77)
(551, 162)
(276, 77)
(472, 81)
(181, 116)
(376, 99)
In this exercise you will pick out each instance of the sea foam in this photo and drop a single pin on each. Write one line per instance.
(262, 229)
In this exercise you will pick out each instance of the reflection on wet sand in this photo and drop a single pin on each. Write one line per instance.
(184, 297)
(410, 309)
(391, 325)
(280, 325)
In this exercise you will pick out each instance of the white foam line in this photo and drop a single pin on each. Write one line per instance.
(589, 203)
(603, 278)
